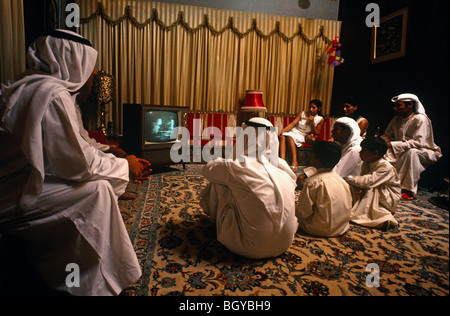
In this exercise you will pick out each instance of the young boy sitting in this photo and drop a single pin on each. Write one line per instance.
(377, 191)
(325, 202)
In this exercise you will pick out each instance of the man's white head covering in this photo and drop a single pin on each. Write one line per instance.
(61, 62)
(419, 108)
(259, 140)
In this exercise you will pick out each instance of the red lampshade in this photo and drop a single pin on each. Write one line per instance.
(253, 102)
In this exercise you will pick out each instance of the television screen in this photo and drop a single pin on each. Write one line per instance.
(159, 125)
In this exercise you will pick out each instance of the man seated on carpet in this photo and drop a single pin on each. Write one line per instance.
(325, 203)
(376, 192)
(251, 199)
(59, 194)
(410, 140)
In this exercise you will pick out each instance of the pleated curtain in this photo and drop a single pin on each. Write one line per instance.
(206, 59)
(12, 43)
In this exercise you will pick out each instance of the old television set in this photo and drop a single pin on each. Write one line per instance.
(147, 131)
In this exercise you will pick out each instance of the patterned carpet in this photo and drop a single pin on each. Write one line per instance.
(176, 245)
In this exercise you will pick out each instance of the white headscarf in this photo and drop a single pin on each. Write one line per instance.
(350, 163)
(258, 143)
(56, 65)
(411, 97)
(355, 132)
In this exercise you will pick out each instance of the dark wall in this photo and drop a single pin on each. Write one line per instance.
(35, 16)
(40, 15)
(424, 70)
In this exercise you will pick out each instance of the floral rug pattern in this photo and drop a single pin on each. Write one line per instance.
(177, 248)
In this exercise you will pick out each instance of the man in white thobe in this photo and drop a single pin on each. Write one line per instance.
(377, 190)
(250, 198)
(58, 193)
(411, 143)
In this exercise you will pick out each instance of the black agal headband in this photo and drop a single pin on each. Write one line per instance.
(67, 36)
(254, 124)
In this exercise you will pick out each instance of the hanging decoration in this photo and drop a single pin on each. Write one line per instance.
(334, 50)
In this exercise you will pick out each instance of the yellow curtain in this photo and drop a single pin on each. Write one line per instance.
(170, 54)
(12, 43)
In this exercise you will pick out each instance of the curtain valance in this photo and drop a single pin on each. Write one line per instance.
(231, 25)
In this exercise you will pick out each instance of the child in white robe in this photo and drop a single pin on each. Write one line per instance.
(325, 203)
(377, 191)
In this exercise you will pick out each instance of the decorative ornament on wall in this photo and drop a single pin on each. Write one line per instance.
(304, 4)
(334, 50)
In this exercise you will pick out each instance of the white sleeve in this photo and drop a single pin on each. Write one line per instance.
(348, 164)
(92, 142)
(306, 200)
(418, 139)
(85, 134)
(389, 132)
(217, 171)
(69, 156)
(310, 171)
(372, 180)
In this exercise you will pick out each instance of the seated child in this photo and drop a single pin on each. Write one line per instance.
(377, 191)
(325, 202)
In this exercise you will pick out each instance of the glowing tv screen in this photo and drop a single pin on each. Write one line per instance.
(159, 125)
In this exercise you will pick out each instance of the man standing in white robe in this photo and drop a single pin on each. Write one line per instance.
(376, 192)
(58, 193)
(251, 198)
(411, 143)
